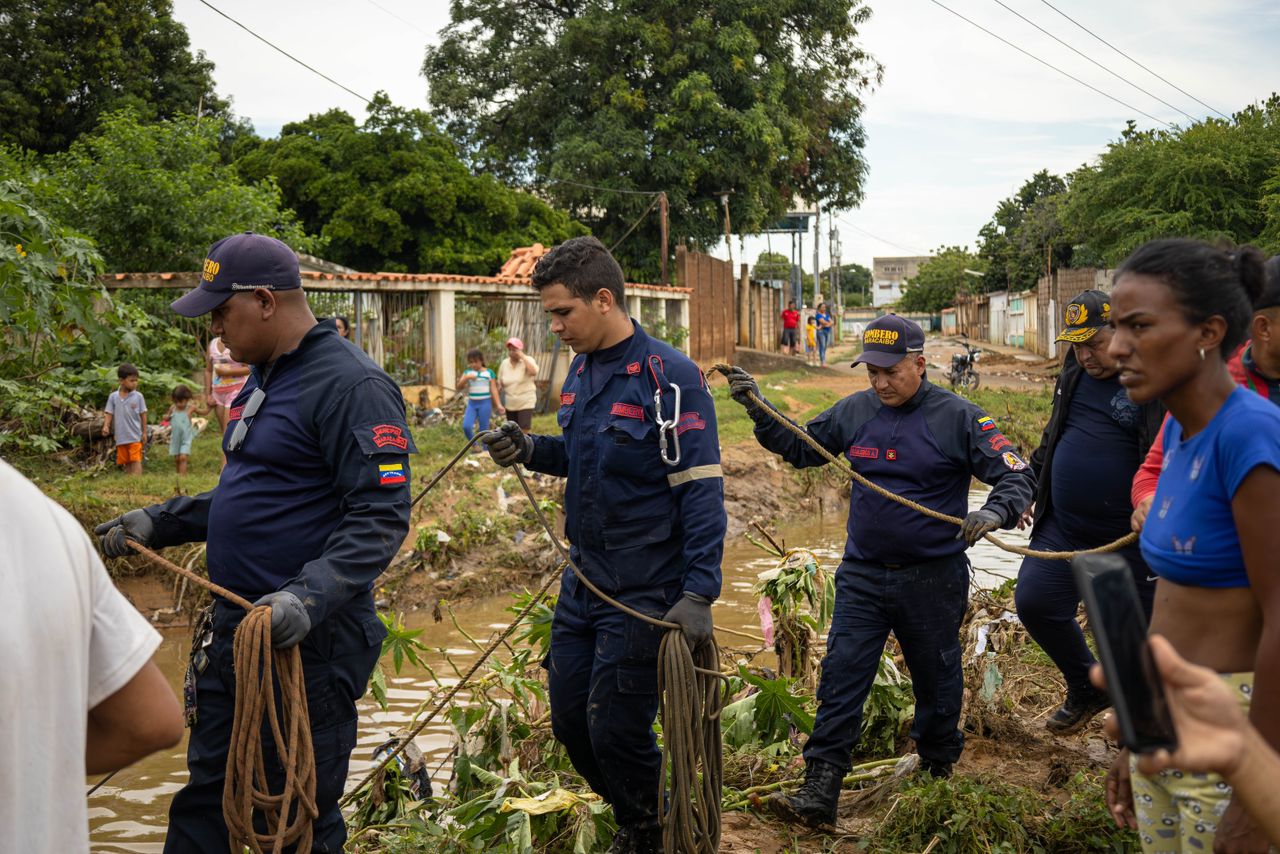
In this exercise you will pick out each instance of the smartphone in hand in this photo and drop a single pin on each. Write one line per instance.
(1120, 629)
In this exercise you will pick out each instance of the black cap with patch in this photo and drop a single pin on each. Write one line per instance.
(1085, 315)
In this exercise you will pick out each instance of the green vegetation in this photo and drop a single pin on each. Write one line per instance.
(1020, 415)
(761, 98)
(940, 279)
(64, 63)
(392, 194)
(966, 814)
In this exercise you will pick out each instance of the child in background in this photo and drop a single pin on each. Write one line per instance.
(482, 395)
(811, 341)
(127, 413)
(181, 430)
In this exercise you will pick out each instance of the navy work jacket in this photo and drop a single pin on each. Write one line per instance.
(634, 522)
(927, 450)
(316, 501)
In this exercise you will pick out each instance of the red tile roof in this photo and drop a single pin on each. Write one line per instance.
(516, 272)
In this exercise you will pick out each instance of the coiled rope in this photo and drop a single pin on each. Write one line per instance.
(288, 815)
(845, 466)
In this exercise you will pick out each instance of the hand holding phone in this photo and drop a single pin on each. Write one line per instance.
(1120, 629)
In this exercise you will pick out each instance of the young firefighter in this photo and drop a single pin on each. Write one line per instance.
(902, 571)
(645, 528)
(127, 414)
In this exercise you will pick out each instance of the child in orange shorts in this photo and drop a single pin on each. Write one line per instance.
(127, 414)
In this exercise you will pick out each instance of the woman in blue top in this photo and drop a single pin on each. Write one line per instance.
(823, 319)
(1179, 308)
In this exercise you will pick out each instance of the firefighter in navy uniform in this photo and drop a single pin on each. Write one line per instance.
(312, 506)
(644, 512)
(902, 571)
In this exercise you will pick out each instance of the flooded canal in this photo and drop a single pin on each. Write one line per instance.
(129, 813)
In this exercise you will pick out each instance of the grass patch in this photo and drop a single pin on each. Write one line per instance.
(966, 814)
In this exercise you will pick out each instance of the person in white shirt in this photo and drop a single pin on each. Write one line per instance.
(516, 381)
(79, 693)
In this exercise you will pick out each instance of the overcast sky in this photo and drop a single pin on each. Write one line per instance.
(959, 123)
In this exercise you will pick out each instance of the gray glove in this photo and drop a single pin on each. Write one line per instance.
(693, 613)
(976, 524)
(136, 525)
(508, 444)
(290, 622)
(742, 384)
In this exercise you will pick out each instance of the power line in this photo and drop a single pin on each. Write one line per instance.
(405, 21)
(285, 52)
(1047, 64)
(881, 239)
(1114, 74)
(1131, 59)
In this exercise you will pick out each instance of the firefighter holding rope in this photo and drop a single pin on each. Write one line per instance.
(902, 571)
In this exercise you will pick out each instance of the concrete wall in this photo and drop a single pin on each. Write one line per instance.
(888, 275)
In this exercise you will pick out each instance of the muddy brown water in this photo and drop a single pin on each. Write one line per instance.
(129, 813)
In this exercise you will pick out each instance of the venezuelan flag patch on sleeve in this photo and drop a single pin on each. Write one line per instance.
(391, 474)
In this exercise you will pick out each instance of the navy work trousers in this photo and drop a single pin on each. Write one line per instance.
(1047, 600)
(337, 657)
(922, 604)
(603, 679)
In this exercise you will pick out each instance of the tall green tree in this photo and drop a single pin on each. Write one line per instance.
(758, 98)
(1023, 231)
(1216, 179)
(854, 282)
(152, 196)
(940, 279)
(392, 194)
(64, 63)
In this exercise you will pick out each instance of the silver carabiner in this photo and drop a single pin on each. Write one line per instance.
(665, 427)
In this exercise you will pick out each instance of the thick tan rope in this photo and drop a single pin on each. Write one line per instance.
(845, 466)
(289, 815)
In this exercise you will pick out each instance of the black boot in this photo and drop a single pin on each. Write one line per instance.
(1078, 709)
(637, 839)
(815, 802)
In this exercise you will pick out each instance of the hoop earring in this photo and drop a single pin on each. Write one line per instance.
(1202, 354)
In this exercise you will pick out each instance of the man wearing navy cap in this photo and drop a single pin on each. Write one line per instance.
(902, 571)
(312, 506)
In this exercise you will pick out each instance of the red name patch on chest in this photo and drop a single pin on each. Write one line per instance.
(628, 410)
(389, 435)
(860, 452)
(566, 398)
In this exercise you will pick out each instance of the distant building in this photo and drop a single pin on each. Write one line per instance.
(888, 275)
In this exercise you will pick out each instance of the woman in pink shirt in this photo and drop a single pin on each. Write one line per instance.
(223, 379)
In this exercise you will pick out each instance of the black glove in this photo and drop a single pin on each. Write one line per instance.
(693, 613)
(978, 523)
(136, 525)
(742, 384)
(508, 444)
(290, 622)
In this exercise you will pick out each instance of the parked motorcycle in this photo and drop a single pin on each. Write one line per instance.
(962, 372)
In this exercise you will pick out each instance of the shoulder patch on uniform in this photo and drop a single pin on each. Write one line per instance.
(633, 369)
(861, 452)
(566, 398)
(389, 436)
(1013, 461)
(391, 474)
(998, 442)
(628, 410)
(384, 437)
(986, 423)
(235, 413)
(690, 421)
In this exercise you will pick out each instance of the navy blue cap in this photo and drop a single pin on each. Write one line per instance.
(241, 262)
(888, 340)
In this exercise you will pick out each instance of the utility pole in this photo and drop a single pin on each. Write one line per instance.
(728, 242)
(662, 232)
(817, 233)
